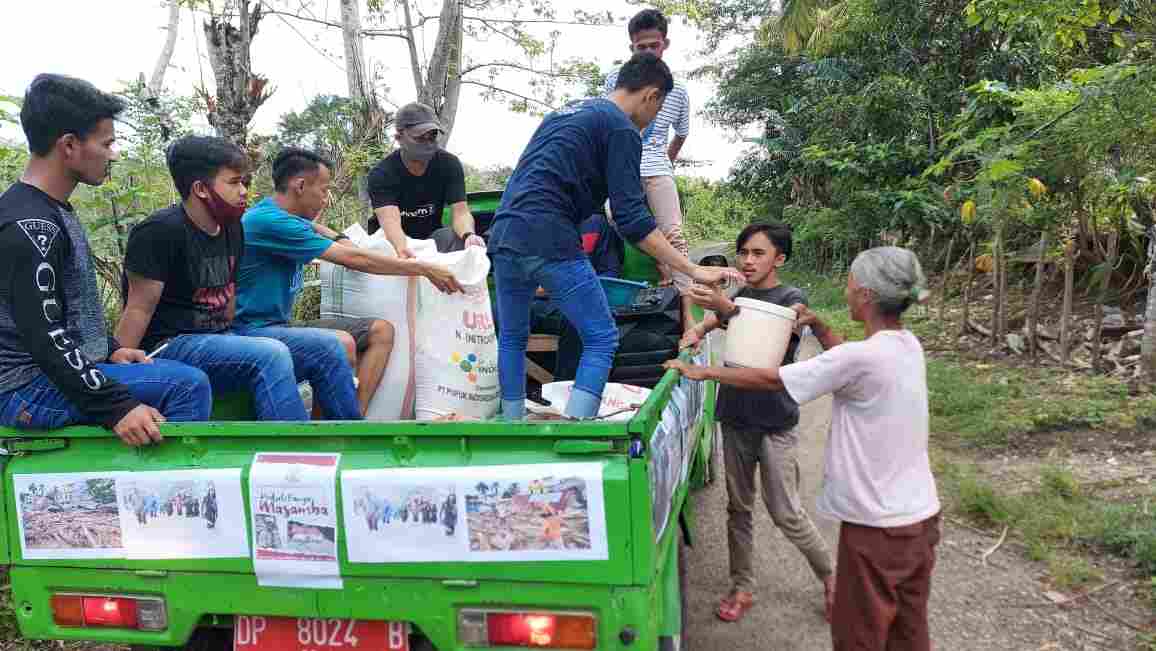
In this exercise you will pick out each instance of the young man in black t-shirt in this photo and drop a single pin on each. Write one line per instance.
(759, 428)
(58, 364)
(411, 187)
(180, 297)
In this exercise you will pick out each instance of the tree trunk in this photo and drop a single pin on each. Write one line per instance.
(157, 81)
(963, 327)
(239, 92)
(354, 56)
(997, 294)
(1037, 289)
(1148, 343)
(1105, 283)
(1066, 312)
(946, 277)
(444, 72)
(414, 61)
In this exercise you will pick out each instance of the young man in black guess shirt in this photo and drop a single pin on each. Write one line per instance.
(180, 278)
(412, 186)
(58, 365)
(759, 428)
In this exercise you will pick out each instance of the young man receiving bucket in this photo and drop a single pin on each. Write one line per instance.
(759, 428)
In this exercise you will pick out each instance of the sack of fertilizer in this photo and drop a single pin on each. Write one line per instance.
(349, 293)
(456, 361)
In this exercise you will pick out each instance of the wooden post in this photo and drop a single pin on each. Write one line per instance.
(1066, 312)
(946, 277)
(1110, 265)
(963, 326)
(1037, 289)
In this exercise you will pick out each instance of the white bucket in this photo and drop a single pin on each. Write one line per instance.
(758, 336)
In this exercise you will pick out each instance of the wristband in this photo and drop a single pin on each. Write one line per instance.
(340, 236)
(724, 320)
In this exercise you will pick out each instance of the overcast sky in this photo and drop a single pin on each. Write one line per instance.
(113, 41)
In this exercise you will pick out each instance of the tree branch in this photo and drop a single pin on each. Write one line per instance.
(547, 22)
(485, 23)
(503, 64)
(511, 93)
(400, 32)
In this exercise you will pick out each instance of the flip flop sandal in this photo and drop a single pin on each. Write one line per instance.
(731, 609)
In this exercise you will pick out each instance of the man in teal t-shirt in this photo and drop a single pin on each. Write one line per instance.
(282, 235)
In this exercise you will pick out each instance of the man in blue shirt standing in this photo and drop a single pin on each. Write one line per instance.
(282, 235)
(579, 156)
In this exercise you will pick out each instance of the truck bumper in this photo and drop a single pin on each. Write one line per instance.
(627, 615)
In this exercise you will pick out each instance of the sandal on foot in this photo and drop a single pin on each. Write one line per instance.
(732, 607)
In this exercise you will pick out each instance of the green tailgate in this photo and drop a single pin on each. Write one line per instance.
(423, 593)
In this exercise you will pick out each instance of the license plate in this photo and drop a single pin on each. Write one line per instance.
(253, 633)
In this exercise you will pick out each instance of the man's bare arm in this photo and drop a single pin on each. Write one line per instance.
(143, 296)
(463, 219)
(675, 147)
(389, 217)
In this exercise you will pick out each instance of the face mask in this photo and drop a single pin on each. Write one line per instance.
(223, 212)
(413, 150)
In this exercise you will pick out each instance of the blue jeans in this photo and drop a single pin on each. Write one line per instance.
(179, 392)
(319, 358)
(259, 367)
(576, 291)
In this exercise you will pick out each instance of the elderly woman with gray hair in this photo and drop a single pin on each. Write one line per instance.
(878, 481)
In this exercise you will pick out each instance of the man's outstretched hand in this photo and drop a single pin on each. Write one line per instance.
(139, 426)
(715, 275)
(689, 371)
(442, 278)
(129, 356)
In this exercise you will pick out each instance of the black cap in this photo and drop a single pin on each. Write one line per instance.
(418, 117)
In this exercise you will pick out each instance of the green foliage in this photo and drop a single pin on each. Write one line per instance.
(712, 212)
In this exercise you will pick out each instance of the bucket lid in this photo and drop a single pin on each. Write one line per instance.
(764, 306)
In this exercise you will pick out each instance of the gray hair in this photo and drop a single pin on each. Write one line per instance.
(894, 275)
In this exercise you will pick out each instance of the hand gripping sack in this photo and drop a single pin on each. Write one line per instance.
(456, 368)
(349, 293)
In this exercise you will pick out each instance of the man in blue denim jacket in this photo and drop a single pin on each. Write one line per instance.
(579, 156)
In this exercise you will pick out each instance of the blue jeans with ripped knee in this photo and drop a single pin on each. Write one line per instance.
(578, 293)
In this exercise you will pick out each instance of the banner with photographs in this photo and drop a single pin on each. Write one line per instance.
(148, 515)
(671, 448)
(544, 512)
(70, 515)
(293, 502)
(183, 514)
(403, 515)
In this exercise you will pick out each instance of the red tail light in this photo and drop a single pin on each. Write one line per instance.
(111, 612)
(103, 611)
(534, 630)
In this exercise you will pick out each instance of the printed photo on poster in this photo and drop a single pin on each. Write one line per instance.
(73, 515)
(535, 512)
(183, 514)
(403, 515)
(294, 506)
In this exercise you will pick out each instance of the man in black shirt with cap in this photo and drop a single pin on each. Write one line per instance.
(410, 188)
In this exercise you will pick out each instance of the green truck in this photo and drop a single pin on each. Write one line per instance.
(377, 536)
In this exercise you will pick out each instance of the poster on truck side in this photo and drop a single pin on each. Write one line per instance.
(183, 514)
(403, 515)
(68, 515)
(293, 502)
(534, 512)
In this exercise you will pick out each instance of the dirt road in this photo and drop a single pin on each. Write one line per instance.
(1001, 606)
